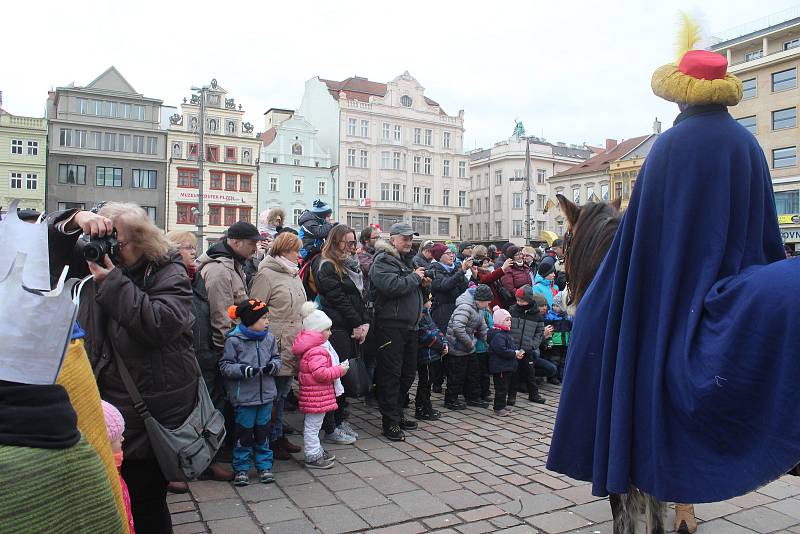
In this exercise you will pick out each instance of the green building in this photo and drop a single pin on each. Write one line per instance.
(23, 165)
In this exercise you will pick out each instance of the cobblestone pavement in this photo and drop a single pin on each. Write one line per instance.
(467, 473)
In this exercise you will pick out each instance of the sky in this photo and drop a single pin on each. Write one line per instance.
(574, 72)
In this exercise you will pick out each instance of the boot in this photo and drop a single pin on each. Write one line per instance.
(178, 487)
(685, 521)
(288, 445)
(217, 472)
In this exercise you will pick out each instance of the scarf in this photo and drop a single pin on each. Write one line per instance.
(448, 268)
(291, 267)
(37, 416)
(251, 334)
(503, 327)
(353, 271)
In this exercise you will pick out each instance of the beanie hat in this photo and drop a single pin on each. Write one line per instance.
(464, 245)
(547, 266)
(484, 293)
(452, 247)
(559, 299)
(539, 299)
(499, 315)
(248, 311)
(438, 250)
(314, 319)
(115, 424)
(320, 208)
(525, 293)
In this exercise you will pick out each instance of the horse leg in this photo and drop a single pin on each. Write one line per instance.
(624, 523)
(654, 514)
(685, 520)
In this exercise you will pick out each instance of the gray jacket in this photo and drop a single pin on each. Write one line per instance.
(465, 326)
(240, 353)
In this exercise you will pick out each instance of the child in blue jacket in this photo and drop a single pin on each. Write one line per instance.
(561, 322)
(503, 356)
(432, 346)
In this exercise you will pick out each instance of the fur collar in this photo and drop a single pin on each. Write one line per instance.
(383, 245)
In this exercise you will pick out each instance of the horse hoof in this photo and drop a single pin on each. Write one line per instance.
(683, 528)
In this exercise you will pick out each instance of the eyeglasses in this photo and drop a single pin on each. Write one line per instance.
(188, 247)
(350, 243)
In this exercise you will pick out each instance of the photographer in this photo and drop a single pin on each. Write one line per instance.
(138, 307)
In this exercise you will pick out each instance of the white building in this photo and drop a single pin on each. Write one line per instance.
(399, 155)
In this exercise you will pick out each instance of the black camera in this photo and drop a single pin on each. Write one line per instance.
(97, 247)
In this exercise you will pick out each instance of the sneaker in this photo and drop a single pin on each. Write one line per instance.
(427, 415)
(405, 424)
(455, 405)
(241, 479)
(347, 429)
(266, 477)
(339, 437)
(394, 433)
(501, 412)
(509, 409)
(328, 456)
(319, 463)
(538, 399)
(480, 403)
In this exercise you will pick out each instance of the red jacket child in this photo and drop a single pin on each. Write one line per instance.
(317, 373)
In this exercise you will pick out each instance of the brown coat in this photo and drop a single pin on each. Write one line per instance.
(225, 283)
(284, 294)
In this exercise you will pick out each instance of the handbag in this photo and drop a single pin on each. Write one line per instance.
(183, 453)
(506, 298)
(356, 382)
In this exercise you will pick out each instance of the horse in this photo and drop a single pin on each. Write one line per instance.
(590, 231)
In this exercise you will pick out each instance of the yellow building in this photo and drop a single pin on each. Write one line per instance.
(23, 165)
(229, 167)
(625, 170)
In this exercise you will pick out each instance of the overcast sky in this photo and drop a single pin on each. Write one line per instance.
(573, 71)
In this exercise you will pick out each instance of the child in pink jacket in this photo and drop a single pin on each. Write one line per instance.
(320, 384)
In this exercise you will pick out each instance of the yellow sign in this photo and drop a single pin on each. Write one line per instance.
(789, 219)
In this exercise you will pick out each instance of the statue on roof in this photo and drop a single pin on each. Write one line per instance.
(519, 129)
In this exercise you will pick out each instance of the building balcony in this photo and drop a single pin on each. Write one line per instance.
(28, 123)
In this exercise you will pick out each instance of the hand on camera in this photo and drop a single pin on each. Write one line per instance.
(99, 273)
(91, 224)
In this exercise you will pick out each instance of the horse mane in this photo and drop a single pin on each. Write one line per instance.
(592, 228)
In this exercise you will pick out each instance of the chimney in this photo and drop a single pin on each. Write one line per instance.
(656, 126)
(610, 143)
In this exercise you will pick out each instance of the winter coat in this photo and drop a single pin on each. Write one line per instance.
(527, 328)
(421, 261)
(491, 279)
(431, 340)
(502, 351)
(365, 256)
(446, 287)
(562, 327)
(313, 231)
(395, 289)
(545, 288)
(242, 352)
(224, 278)
(465, 326)
(339, 297)
(283, 292)
(207, 357)
(516, 277)
(317, 373)
(482, 345)
(144, 316)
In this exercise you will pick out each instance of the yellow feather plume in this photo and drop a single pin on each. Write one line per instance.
(689, 34)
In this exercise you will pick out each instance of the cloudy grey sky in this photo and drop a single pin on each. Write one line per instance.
(572, 71)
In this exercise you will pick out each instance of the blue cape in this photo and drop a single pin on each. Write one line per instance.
(683, 372)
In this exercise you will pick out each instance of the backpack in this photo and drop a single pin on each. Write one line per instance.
(306, 275)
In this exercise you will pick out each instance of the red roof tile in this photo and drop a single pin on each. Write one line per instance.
(358, 88)
(603, 160)
(268, 137)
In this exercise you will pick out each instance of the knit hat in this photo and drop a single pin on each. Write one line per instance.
(525, 293)
(452, 247)
(321, 209)
(484, 293)
(464, 245)
(559, 299)
(499, 315)
(547, 266)
(314, 319)
(248, 311)
(438, 250)
(115, 424)
(539, 299)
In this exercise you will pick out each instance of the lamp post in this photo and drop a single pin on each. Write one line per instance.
(527, 191)
(199, 217)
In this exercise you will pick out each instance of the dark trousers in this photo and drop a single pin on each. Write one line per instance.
(336, 417)
(472, 382)
(396, 365)
(524, 379)
(502, 384)
(456, 369)
(148, 491)
(484, 378)
(437, 371)
(422, 401)
(209, 369)
(557, 355)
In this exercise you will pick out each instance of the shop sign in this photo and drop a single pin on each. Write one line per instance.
(789, 219)
(790, 236)
(225, 198)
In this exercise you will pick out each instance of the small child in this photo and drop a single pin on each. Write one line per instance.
(314, 227)
(250, 360)
(479, 394)
(561, 322)
(320, 384)
(503, 356)
(432, 346)
(115, 424)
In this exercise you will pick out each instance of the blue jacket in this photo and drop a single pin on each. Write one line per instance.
(502, 352)
(431, 340)
(240, 353)
(545, 288)
(562, 327)
(481, 345)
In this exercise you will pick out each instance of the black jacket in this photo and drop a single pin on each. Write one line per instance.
(339, 297)
(395, 289)
(421, 261)
(527, 328)
(446, 287)
(502, 352)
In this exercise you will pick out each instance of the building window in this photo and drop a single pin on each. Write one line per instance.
(108, 177)
(519, 174)
(246, 156)
(194, 150)
(230, 127)
(426, 196)
(245, 181)
(785, 79)
(72, 174)
(462, 169)
(230, 181)
(362, 189)
(541, 175)
(185, 213)
(794, 43)
(80, 139)
(143, 178)
(351, 157)
(33, 148)
(590, 196)
(750, 123)
(273, 183)
(498, 202)
(229, 215)
(784, 118)
(298, 185)
(216, 180)
(415, 195)
(462, 199)
(396, 161)
(188, 178)
(296, 216)
(244, 214)
(604, 192)
(421, 225)
(97, 106)
(516, 228)
(396, 192)
(322, 188)
(576, 195)
(212, 153)
(351, 190)
(83, 106)
(214, 216)
(444, 226)
(31, 181)
(152, 145)
(478, 205)
(386, 221)
(385, 191)
(445, 197)
(364, 128)
(417, 164)
(297, 149)
(498, 228)
(357, 221)
(139, 111)
(787, 202)
(429, 137)
(446, 168)
(541, 200)
(111, 142)
(405, 101)
(428, 167)
(351, 127)
(617, 190)
(446, 140)
(417, 136)
(387, 130)
(97, 140)
(127, 113)
(755, 54)
(364, 159)
(138, 144)
(749, 88)
(16, 146)
(516, 201)
(71, 206)
(230, 154)
(398, 133)
(16, 180)
(784, 157)
(385, 160)
(151, 213)
(125, 143)
(498, 177)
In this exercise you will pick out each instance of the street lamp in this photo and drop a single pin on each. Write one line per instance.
(203, 90)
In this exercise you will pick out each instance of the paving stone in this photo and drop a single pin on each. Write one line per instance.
(224, 509)
(477, 487)
(386, 514)
(607, 528)
(388, 455)
(434, 482)
(485, 512)
(721, 526)
(750, 500)
(713, 510)
(345, 481)
(519, 529)
(790, 507)
(442, 521)
(183, 506)
(780, 490)
(561, 521)
(178, 497)
(370, 468)
(595, 511)
(762, 519)
(478, 527)
(296, 526)
(391, 484)
(529, 505)
(579, 494)
(189, 528)
(308, 495)
(293, 478)
(211, 490)
(185, 517)
(260, 492)
(505, 521)
(461, 499)
(237, 525)
(408, 467)
(420, 503)
(335, 519)
(350, 455)
(275, 511)
(405, 528)
(362, 498)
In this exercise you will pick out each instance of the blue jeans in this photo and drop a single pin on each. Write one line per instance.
(251, 437)
(283, 384)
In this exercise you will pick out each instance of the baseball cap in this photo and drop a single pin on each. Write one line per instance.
(402, 228)
(244, 230)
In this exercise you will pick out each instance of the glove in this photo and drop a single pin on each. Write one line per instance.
(249, 372)
(268, 369)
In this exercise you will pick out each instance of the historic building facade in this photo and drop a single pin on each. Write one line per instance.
(625, 170)
(400, 156)
(294, 169)
(230, 185)
(105, 144)
(23, 161)
(498, 194)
